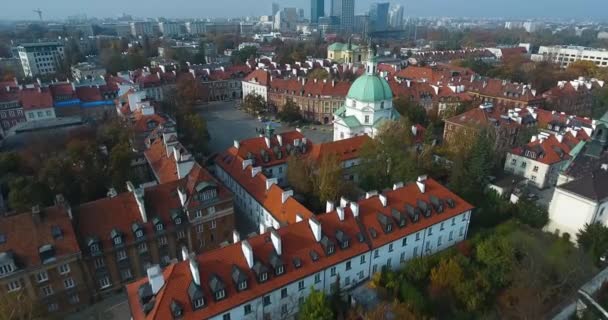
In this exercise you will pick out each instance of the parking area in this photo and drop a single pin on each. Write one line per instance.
(226, 123)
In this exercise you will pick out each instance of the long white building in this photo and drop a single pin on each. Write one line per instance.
(40, 58)
(269, 275)
(565, 55)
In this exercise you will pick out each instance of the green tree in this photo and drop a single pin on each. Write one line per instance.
(593, 238)
(319, 74)
(316, 307)
(496, 253)
(290, 112)
(19, 306)
(120, 165)
(241, 56)
(411, 110)
(531, 214)
(389, 158)
(254, 104)
(200, 57)
(196, 133)
(25, 192)
(299, 173)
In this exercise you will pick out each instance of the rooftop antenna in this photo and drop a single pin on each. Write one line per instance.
(39, 12)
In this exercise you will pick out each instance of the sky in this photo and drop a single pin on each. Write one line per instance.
(57, 9)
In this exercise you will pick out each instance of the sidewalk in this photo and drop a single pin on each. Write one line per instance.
(112, 308)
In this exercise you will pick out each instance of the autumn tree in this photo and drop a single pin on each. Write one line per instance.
(316, 307)
(120, 165)
(319, 74)
(328, 178)
(299, 173)
(19, 306)
(254, 104)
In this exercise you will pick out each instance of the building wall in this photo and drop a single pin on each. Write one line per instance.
(564, 56)
(11, 114)
(314, 108)
(40, 114)
(254, 88)
(568, 213)
(537, 173)
(63, 298)
(40, 60)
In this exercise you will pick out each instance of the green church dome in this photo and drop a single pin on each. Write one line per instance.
(370, 88)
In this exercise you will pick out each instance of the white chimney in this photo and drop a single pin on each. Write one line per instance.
(370, 194)
(560, 138)
(533, 138)
(299, 218)
(247, 163)
(354, 207)
(262, 228)
(285, 195)
(330, 206)
(196, 275)
(315, 226)
(255, 171)
(155, 278)
(398, 185)
(280, 139)
(236, 237)
(340, 212)
(414, 130)
(343, 202)
(270, 182)
(138, 194)
(383, 200)
(604, 166)
(276, 241)
(185, 253)
(247, 252)
(421, 182)
(181, 192)
(237, 144)
(177, 154)
(267, 140)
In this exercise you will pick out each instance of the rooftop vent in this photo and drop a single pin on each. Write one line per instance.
(314, 255)
(450, 202)
(297, 262)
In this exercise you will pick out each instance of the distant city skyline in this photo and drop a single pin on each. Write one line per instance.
(522, 9)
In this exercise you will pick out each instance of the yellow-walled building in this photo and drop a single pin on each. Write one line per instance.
(347, 53)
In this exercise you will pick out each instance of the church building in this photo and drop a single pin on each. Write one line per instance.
(368, 105)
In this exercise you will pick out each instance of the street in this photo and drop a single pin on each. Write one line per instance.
(226, 124)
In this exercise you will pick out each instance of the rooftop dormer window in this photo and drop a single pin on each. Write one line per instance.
(94, 248)
(139, 233)
(199, 303)
(118, 240)
(159, 227)
(221, 294)
(279, 270)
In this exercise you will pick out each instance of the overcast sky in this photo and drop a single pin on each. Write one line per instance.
(55, 9)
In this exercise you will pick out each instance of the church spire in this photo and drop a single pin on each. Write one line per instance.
(372, 63)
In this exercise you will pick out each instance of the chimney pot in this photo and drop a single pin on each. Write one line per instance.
(236, 237)
(383, 200)
(340, 212)
(330, 206)
(276, 241)
(354, 207)
(196, 275)
(315, 226)
(247, 252)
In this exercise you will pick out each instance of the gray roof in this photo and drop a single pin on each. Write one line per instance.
(592, 186)
(194, 291)
(216, 284)
(238, 275)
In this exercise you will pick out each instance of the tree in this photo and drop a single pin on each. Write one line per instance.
(290, 112)
(72, 56)
(254, 104)
(388, 158)
(19, 306)
(120, 165)
(299, 173)
(582, 68)
(241, 56)
(187, 94)
(410, 110)
(593, 238)
(316, 307)
(319, 74)
(496, 253)
(25, 192)
(328, 178)
(200, 57)
(196, 134)
(531, 214)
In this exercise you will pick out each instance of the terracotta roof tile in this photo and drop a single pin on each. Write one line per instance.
(36, 98)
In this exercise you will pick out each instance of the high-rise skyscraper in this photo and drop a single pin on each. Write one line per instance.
(378, 15)
(396, 16)
(336, 8)
(347, 17)
(275, 8)
(317, 10)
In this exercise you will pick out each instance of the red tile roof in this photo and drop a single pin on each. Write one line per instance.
(262, 77)
(549, 150)
(270, 199)
(163, 165)
(253, 147)
(297, 241)
(141, 122)
(36, 98)
(89, 94)
(62, 90)
(346, 149)
(24, 236)
(318, 88)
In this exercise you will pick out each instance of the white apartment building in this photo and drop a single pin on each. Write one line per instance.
(564, 55)
(195, 27)
(170, 29)
(40, 58)
(257, 83)
(269, 275)
(141, 28)
(579, 202)
(541, 160)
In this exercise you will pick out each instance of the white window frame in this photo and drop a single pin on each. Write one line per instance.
(69, 283)
(64, 269)
(14, 286)
(42, 276)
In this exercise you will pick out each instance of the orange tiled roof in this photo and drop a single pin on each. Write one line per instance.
(253, 147)
(163, 165)
(271, 199)
(24, 236)
(141, 122)
(346, 149)
(297, 242)
(549, 150)
(36, 98)
(262, 77)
